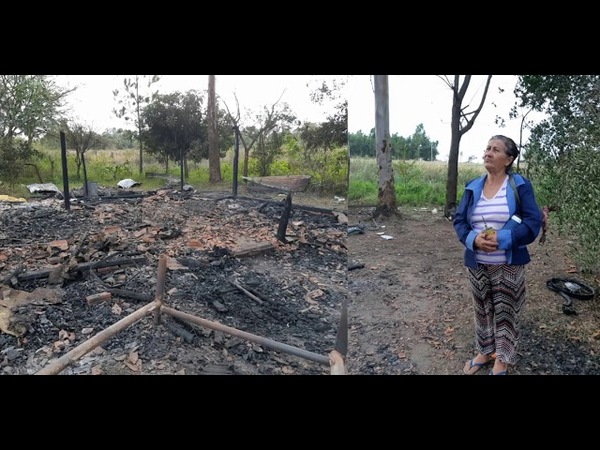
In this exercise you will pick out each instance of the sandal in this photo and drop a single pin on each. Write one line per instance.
(471, 366)
(501, 372)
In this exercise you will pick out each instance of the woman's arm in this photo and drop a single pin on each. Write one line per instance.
(462, 227)
(531, 221)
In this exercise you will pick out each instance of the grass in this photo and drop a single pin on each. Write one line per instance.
(108, 167)
(417, 183)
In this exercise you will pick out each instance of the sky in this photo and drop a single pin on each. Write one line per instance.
(426, 99)
(92, 102)
(414, 99)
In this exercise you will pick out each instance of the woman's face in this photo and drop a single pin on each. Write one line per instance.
(495, 158)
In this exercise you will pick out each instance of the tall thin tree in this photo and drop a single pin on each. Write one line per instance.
(386, 195)
(131, 103)
(214, 157)
(461, 122)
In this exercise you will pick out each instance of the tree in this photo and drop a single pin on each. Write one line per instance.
(462, 121)
(416, 146)
(131, 103)
(268, 147)
(334, 131)
(386, 194)
(81, 138)
(563, 156)
(361, 144)
(176, 127)
(29, 108)
(214, 155)
(29, 105)
(265, 122)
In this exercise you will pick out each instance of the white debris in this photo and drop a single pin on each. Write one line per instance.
(45, 187)
(571, 286)
(127, 183)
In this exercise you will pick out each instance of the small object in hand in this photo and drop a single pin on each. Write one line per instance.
(487, 230)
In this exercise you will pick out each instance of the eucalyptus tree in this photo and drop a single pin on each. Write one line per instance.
(131, 102)
(214, 156)
(386, 194)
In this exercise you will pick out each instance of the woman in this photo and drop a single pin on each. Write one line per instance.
(495, 226)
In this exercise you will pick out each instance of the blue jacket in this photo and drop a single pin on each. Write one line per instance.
(514, 241)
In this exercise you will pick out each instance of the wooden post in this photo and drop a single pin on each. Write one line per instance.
(58, 365)
(160, 286)
(236, 158)
(63, 156)
(285, 217)
(336, 361)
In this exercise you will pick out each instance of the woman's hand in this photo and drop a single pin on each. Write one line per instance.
(487, 242)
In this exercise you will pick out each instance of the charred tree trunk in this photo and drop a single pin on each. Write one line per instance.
(285, 217)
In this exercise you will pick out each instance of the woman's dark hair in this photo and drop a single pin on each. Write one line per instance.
(511, 148)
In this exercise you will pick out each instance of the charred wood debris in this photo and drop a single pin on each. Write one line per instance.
(264, 266)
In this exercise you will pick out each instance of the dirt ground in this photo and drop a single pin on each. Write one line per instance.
(411, 313)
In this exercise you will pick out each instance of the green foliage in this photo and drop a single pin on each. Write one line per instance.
(417, 183)
(329, 134)
(580, 207)
(333, 174)
(281, 167)
(268, 148)
(176, 126)
(106, 170)
(571, 184)
(118, 139)
(417, 146)
(227, 171)
(253, 168)
(29, 105)
(361, 144)
(562, 156)
(14, 154)
(332, 133)
(134, 96)
(362, 192)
